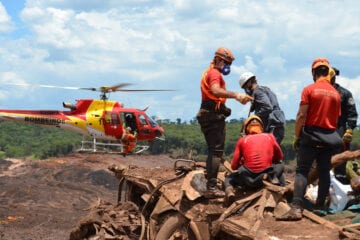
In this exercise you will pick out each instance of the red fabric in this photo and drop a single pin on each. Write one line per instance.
(324, 104)
(212, 77)
(257, 152)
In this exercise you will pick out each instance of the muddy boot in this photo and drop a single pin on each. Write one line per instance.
(214, 193)
(294, 214)
(212, 190)
(320, 210)
(229, 196)
(271, 179)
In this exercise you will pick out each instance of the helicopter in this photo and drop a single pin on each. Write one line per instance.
(101, 119)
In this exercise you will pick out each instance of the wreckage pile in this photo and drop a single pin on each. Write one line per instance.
(172, 206)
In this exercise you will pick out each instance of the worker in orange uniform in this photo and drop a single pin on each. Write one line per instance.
(213, 112)
(129, 140)
(316, 138)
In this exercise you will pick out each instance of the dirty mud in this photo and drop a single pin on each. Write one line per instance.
(48, 199)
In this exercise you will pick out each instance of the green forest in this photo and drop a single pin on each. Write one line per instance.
(182, 140)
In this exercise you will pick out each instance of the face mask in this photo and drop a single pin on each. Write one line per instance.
(254, 129)
(225, 70)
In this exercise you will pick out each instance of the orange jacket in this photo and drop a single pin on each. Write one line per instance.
(205, 85)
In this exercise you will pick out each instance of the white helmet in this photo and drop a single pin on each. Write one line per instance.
(244, 78)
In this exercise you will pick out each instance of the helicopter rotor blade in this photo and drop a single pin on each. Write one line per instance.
(41, 86)
(145, 90)
(103, 89)
(119, 86)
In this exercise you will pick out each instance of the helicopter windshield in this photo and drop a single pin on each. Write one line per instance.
(152, 122)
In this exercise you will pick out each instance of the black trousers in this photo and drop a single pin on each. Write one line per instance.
(306, 156)
(213, 127)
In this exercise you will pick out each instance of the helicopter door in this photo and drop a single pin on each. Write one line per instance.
(144, 126)
(130, 121)
(112, 125)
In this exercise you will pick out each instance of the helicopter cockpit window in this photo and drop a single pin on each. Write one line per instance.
(142, 120)
(112, 118)
(152, 122)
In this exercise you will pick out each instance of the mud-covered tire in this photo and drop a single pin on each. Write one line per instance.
(175, 224)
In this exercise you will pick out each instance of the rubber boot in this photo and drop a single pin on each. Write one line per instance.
(229, 196)
(294, 214)
(212, 168)
(229, 192)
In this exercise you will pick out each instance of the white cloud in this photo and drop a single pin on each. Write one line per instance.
(167, 44)
(5, 20)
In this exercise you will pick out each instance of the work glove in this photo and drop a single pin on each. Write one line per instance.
(296, 144)
(243, 98)
(347, 137)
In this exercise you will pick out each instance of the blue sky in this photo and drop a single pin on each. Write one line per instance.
(167, 44)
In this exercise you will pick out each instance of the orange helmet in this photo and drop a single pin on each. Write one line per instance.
(320, 62)
(253, 125)
(225, 54)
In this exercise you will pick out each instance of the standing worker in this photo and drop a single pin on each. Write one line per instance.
(213, 112)
(265, 105)
(129, 140)
(346, 122)
(315, 137)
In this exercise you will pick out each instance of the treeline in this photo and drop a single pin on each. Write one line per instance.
(182, 140)
(186, 139)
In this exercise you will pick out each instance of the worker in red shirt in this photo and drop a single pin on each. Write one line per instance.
(213, 112)
(255, 155)
(315, 137)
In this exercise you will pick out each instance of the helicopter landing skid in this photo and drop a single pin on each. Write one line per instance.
(115, 148)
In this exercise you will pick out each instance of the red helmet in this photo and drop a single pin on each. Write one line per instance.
(320, 62)
(225, 54)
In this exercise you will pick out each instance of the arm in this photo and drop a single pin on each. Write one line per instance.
(300, 119)
(236, 160)
(351, 113)
(220, 92)
(278, 153)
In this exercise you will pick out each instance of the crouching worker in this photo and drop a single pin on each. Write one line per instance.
(128, 139)
(257, 156)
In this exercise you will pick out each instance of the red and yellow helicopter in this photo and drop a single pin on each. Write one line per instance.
(101, 119)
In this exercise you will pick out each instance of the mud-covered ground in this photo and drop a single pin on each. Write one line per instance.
(46, 199)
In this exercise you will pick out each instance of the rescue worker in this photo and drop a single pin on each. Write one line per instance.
(257, 155)
(315, 137)
(346, 122)
(128, 139)
(265, 105)
(213, 112)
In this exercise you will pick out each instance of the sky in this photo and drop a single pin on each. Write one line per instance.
(167, 44)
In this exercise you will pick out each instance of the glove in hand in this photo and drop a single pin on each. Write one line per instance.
(347, 137)
(296, 144)
(243, 98)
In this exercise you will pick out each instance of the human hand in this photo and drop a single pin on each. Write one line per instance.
(347, 137)
(296, 144)
(243, 98)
